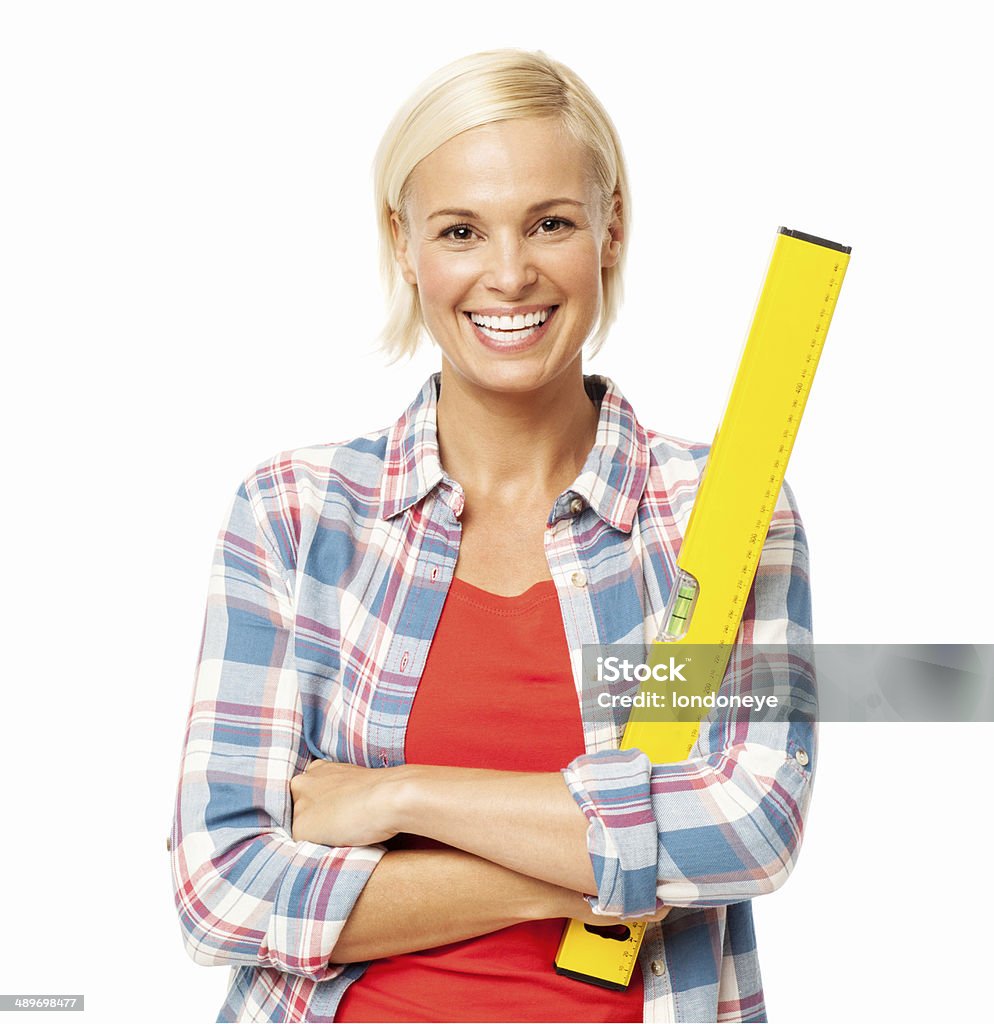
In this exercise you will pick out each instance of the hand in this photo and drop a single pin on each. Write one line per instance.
(342, 804)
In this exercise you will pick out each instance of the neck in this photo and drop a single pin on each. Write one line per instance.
(515, 445)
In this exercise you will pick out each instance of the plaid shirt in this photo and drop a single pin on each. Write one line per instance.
(329, 576)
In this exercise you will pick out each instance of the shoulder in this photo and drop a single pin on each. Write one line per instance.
(294, 487)
(677, 467)
(358, 460)
(676, 456)
(633, 441)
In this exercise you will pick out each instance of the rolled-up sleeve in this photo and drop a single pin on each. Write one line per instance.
(246, 892)
(726, 824)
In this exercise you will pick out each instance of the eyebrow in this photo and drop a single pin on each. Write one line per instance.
(534, 208)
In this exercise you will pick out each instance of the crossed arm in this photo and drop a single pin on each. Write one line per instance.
(518, 850)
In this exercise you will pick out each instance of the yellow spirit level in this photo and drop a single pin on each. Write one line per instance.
(728, 525)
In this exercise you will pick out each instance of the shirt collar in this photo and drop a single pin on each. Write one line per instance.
(611, 480)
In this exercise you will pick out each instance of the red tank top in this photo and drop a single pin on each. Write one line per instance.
(497, 692)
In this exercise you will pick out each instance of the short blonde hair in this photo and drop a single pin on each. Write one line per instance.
(493, 85)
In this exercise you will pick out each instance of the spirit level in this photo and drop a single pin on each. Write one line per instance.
(728, 525)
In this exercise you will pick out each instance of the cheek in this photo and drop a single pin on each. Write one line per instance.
(582, 271)
(441, 283)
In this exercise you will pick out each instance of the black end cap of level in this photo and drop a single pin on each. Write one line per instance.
(815, 240)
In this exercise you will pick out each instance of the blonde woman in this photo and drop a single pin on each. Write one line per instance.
(390, 802)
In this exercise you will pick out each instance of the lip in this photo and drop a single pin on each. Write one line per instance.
(511, 310)
(512, 346)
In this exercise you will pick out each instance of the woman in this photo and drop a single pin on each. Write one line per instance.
(390, 803)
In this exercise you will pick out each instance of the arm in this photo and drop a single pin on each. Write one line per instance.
(727, 822)
(246, 891)
(721, 827)
(542, 831)
(345, 803)
(433, 897)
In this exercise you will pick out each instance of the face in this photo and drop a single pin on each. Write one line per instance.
(506, 241)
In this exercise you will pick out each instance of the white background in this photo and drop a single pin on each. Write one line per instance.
(189, 284)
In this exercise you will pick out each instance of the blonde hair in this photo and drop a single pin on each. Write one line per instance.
(479, 89)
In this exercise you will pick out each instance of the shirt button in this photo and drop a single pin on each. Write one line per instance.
(576, 506)
(578, 579)
(169, 844)
(801, 757)
(657, 967)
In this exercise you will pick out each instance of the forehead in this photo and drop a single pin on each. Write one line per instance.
(506, 163)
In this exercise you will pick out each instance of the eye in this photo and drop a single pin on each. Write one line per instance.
(457, 233)
(554, 222)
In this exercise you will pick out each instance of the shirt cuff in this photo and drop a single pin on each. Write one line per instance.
(612, 788)
(315, 897)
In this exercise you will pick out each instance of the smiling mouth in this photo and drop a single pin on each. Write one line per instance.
(507, 329)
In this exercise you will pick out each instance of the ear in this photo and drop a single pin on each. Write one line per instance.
(400, 244)
(614, 234)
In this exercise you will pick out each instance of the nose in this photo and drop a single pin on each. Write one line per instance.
(510, 269)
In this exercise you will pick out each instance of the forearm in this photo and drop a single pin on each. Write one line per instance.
(525, 821)
(419, 899)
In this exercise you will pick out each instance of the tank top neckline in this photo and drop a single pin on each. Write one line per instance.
(469, 593)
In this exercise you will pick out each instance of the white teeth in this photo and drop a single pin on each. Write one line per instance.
(511, 323)
(507, 336)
